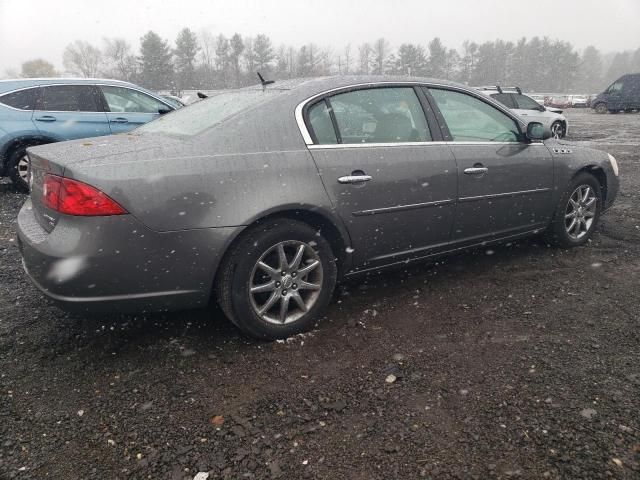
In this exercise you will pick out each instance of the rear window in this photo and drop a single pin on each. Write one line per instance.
(201, 116)
(22, 99)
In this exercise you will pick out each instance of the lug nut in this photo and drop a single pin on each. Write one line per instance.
(295, 285)
(294, 274)
(277, 284)
(284, 292)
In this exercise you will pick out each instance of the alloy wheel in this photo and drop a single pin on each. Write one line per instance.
(580, 212)
(23, 168)
(285, 282)
(557, 130)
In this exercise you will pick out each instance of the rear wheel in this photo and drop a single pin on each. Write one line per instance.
(18, 166)
(601, 108)
(577, 212)
(277, 280)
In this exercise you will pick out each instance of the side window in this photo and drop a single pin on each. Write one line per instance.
(471, 120)
(70, 98)
(526, 103)
(321, 124)
(125, 100)
(380, 115)
(615, 88)
(504, 98)
(22, 99)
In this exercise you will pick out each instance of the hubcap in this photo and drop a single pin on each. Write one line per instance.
(556, 130)
(23, 168)
(285, 282)
(580, 212)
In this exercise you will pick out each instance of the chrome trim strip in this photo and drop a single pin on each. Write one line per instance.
(398, 208)
(307, 136)
(501, 195)
(409, 144)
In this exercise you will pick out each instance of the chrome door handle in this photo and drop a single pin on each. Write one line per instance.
(475, 170)
(354, 178)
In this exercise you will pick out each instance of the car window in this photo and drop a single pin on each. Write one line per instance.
(207, 113)
(22, 99)
(616, 87)
(505, 99)
(70, 98)
(471, 120)
(321, 124)
(526, 103)
(126, 100)
(380, 115)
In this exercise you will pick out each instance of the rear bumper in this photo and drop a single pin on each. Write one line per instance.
(116, 264)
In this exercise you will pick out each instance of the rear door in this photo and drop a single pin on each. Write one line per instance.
(66, 112)
(128, 108)
(504, 183)
(392, 185)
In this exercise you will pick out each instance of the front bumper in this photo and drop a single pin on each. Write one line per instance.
(116, 264)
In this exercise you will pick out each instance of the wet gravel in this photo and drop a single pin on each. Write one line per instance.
(522, 361)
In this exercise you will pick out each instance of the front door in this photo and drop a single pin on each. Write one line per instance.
(392, 185)
(504, 183)
(67, 112)
(128, 108)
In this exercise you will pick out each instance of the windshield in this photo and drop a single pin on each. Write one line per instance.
(200, 116)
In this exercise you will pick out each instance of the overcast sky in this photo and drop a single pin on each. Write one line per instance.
(42, 28)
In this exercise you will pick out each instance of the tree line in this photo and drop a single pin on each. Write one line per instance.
(207, 61)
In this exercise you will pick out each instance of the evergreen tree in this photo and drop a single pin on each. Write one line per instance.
(185, 59)
(264, 55)
(156, 68)
(437, 59)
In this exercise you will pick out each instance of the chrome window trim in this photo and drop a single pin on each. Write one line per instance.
(396, 208)
(501, 195)
(335, 146)
(304, 131)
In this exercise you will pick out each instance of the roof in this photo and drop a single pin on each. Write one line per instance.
(16, 83)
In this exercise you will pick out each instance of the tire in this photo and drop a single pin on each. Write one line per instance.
(240, 271)
(600, 108)
(18, 168)
(561, 232)
(557, 129)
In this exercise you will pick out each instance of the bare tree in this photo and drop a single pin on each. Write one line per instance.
(381, 51)
(119, 61)
(37, 68)
(82, 58)
(364, 53)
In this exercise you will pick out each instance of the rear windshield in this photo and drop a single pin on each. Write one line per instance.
(207, 113)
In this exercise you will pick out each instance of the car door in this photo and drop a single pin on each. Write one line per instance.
(504, 182)
(66, 112)
(128, 108)
(392, 185)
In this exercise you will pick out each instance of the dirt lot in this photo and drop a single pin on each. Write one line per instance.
(521, 361)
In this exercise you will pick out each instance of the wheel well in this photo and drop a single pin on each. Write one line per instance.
(600, 176)
(21, 142)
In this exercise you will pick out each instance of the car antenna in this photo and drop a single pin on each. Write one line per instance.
(202, 95)
(264, 82)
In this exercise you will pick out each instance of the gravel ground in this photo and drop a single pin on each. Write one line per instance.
(518, 362)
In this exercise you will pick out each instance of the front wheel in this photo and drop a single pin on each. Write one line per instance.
(601, 108)
(577, 213)
(557, 130)
(277, 280)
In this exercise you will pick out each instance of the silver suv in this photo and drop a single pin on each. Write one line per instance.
(527, 108)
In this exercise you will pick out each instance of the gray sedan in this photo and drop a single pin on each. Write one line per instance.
(263, 198)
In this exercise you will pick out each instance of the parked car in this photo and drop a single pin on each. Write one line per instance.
(578, 101)
(174, 101)
(529, 109)
(538, 98)
(623, 94)
(560, 102)
(34, 111)
(263, 199)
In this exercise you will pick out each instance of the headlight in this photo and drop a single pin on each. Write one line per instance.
(614, 164)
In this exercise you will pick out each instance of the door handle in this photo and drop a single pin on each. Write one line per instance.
(476, 170)
(46, 118)
(354, 179)
(119, 120)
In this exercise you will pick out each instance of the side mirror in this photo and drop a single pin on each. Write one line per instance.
(162, 111)
(536, 131)
(542, 108)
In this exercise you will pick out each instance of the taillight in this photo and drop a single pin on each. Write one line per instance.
(72, 197)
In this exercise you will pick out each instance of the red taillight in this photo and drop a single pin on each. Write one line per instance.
(72, 197)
